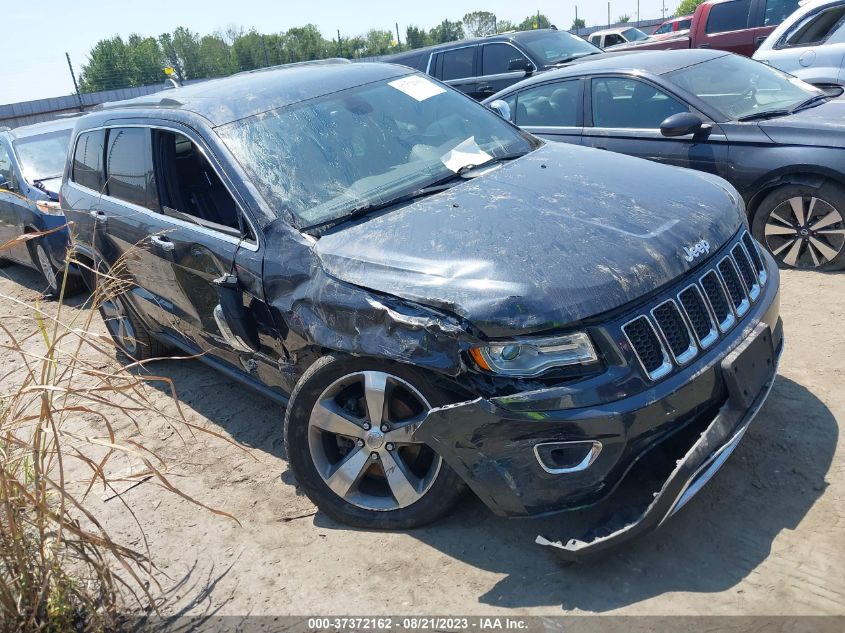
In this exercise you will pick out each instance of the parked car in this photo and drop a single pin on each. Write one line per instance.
(737, 26)
(481, 66)
(616, 36)
(32, 159)
(438, 297)
(778, 140)
(673, 26)
(810, 44)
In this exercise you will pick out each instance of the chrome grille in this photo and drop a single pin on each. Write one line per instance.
(676, 330)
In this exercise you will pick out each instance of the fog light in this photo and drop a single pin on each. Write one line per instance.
(560, 458)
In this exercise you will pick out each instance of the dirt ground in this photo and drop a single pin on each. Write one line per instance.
(766, 536)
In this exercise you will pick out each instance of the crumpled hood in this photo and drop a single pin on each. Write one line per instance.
(822, 125)
(560, 235)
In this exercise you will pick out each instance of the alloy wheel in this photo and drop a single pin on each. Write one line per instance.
(805, 232)
(360, 438)
(119, 325)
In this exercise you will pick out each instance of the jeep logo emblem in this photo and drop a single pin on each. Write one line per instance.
(694, 251)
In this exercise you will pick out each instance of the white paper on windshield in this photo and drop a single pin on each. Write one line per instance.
(465, 154)
(417, 87)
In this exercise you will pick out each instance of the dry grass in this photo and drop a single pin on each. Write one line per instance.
(59, 567)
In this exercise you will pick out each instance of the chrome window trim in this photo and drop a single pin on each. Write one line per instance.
(692, 351)
(666, 367)
(713, 335)
(745, 304)
(198, 143)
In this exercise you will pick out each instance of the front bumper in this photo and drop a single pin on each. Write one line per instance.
(666, 441)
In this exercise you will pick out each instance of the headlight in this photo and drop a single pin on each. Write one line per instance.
(531, 357)
(50, 207)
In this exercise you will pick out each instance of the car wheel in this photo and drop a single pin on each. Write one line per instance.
(129, 334)
(348, 429)
(803, 227)
(53, 278)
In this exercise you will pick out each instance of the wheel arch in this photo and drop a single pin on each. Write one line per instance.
(804, 175)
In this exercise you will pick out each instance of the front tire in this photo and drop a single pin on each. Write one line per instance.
(803, 227)
(53, 277)
(127, 331)
(348, 430)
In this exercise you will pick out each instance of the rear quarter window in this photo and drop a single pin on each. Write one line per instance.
(87, 165)
(458, 64)
(728, 16)
(815, 28)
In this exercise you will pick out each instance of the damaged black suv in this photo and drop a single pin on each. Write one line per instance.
(439, 298)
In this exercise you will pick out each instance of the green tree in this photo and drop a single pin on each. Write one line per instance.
(216, 56)
(688, 7)
(186, 46)
(378, 42)
(624, 18)
(416, 37)
(503, 26)
(106, 68)
(305, 43)
(578, 23)
(143, 61)
(536, 21)
(447, 31)
(247, 51)
(480, 23)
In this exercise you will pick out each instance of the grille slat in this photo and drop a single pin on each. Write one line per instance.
(699, 317)
(687, 324)
(674, 329)
(645, 343)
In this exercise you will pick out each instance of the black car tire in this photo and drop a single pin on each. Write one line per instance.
(53, 277)
(138, 343)
(784, 238)
(436, 500)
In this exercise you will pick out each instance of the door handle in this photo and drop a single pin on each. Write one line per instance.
(163, 243)
(760, 40)
(704, 46)
(99, 216)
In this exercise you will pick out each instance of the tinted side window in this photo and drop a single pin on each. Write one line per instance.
(613, 39)
(129, 174)
(188, 185)
(665, 28)
(87, 169)
(729, 16)
(496, 58)
(817, 28)
(684, 25)
(7, 176)
(778, 10)
(595, 40)
(632, 104)
(458, 64)
(549, 105)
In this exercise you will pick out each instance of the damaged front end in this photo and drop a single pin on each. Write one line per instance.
(637, 453)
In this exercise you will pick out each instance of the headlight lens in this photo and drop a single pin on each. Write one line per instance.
(532, 356)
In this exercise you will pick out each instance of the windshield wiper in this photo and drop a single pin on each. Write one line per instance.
(432, 188)
(809, 103)
(571, 58)
(768, 114)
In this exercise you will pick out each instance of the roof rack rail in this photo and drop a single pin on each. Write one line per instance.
(312, 62)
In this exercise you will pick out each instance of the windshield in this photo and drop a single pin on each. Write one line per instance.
(324, 158)
(43, 156)
(549, 47)
(739, 87)
(634, 35)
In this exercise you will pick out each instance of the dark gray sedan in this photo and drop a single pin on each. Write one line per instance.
(778, 140)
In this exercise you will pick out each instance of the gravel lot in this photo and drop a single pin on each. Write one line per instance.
(767, 536)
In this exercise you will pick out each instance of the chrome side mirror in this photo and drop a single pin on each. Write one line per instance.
(501, 108)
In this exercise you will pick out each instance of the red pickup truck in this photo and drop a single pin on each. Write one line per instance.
(738, 26)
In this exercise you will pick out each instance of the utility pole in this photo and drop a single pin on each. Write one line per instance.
(638, 12)
(538, 18)
(577, 27)
(664, 9)
(339, 47)
(75, 85)
(398, 41)
(264, 46)
(608, 14)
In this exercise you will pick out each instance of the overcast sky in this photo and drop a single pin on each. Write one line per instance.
(36, 34)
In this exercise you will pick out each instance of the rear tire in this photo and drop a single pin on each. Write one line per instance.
(803, 227)
(128, 332)
(362, 469)
(53, 277)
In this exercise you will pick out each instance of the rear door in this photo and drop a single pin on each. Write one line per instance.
(727, 27)
(553, 110)
(457, 67)
(624, 115)
(768, 14)
(496, 60)
(9, 197)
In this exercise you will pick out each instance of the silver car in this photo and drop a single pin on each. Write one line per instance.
(810, 43)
